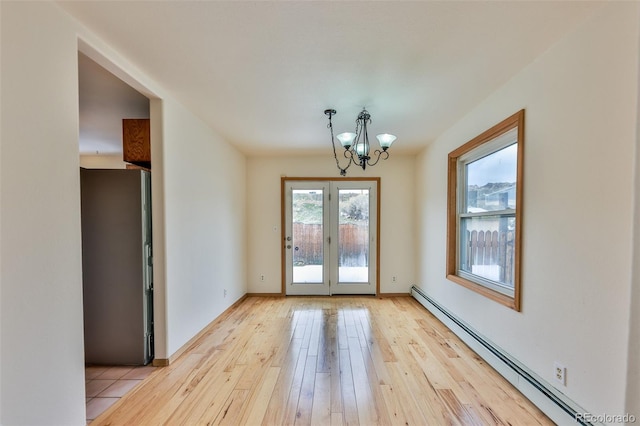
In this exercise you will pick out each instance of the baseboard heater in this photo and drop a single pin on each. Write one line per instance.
(549, 400)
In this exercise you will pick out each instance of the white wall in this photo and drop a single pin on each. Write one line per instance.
(41, 307)
(581, 104)
(199, 206)
(0, 221)
(205, 216)
(158, 230)
(633, 362)
(396, 216)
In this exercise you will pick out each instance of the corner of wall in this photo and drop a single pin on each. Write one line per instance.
(632, 403)
(158, 231)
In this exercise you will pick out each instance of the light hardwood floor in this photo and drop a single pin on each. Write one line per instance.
(325, 361)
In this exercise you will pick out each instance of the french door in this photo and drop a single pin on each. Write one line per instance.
(330, 237)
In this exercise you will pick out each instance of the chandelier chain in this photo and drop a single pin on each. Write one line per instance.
(343, 172)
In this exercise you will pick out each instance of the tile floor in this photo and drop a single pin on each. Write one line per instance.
(105, 385)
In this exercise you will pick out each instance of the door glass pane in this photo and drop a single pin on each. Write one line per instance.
(307, 235)
(353, 235)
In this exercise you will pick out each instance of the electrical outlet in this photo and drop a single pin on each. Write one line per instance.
(394, 278)
(262, 277)
(225, 292)
(560, 373)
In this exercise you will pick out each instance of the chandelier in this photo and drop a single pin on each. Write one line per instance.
(356, 145)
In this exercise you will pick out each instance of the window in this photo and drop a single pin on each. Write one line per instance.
(484, 212)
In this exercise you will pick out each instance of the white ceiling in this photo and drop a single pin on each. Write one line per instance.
(262, 73)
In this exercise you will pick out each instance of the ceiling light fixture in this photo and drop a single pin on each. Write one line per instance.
(356, 145)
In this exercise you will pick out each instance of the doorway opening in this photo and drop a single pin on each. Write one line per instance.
(330, 236)
(116, 221)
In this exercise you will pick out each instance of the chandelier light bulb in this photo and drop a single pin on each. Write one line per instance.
(385, 140)
(361, 149)
(346, 139)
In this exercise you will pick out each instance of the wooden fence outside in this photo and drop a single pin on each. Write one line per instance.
(491, 248)
(308, 239)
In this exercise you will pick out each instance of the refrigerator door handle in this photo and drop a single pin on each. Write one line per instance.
(149, 266)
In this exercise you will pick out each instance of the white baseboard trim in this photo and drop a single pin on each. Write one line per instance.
(552, 402)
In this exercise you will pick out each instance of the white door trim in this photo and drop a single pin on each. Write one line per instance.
(374, 265)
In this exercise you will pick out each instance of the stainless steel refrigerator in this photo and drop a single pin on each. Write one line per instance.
(117, 274)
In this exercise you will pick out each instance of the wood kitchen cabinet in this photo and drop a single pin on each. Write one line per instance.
(136, 145)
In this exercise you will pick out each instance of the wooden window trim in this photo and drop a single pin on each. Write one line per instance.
(516, 120)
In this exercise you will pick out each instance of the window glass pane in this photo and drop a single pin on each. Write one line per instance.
(353, 236)
(307, 235)
(491, 181)
(487, 248)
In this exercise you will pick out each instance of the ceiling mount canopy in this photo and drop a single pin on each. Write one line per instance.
(356, 145)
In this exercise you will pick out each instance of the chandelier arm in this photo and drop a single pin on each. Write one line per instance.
(348, 154)
(379, 154)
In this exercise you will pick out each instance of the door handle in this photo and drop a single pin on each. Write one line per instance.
(288, 246)
(288, 238)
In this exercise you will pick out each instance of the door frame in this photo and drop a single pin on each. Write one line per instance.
(283, 237)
